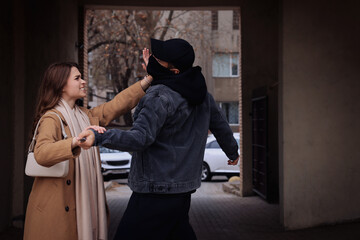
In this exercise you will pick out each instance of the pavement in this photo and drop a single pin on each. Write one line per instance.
(216, 215)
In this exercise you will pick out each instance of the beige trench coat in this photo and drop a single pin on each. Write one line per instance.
(51, 210)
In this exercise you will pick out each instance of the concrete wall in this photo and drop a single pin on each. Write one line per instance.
(226, 89)
(259, 68)
(320, 112)
(51, 34)
(7, 107)
(33, 35)
(226, 40)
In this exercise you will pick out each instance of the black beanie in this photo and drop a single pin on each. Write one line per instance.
(175, 51)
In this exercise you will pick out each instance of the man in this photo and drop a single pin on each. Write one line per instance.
(168, 140)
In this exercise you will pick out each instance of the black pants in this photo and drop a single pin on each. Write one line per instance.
(156, 216)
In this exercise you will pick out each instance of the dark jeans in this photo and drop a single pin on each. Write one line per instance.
(156, 216)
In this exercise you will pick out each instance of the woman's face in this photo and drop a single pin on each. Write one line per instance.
(75, 87)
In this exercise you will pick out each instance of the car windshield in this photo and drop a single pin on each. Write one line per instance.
(108, 150)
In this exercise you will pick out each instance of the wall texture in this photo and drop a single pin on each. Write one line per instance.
(259, 64)
(50, 36)
(7, 107)
(320, 112)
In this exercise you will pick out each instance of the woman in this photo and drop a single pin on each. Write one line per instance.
(73, 207)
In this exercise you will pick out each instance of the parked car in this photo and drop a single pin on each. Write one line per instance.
(216, 162)
(114, 162)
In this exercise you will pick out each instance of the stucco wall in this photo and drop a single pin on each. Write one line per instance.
(259, 68)
(226, 89)
(6, 103)
(320, 112)
(33, 35)
(51, 32)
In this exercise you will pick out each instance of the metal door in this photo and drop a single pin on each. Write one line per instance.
(259, 145)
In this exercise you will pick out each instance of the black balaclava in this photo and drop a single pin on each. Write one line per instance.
(190, 82)
(156, 70)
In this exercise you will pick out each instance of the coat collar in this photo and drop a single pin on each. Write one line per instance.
(60, 115)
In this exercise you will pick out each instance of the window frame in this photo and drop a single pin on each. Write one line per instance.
(230, 56)
(214, 20)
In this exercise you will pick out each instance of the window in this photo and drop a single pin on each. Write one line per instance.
(236, 20)
(231, 111)
(214, 20)
(225, 65)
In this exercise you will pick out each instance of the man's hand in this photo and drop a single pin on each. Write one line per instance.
(235, 162)
(89, 138)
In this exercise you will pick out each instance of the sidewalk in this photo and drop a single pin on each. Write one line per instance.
(216, 215)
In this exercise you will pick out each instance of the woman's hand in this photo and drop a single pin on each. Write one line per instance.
(75, 143)
(86, 139)
(146, 81)
(83, 141)
(146, 55)
(96, 128)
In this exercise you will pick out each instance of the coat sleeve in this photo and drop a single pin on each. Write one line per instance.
(222, 131)
(50, 148)
(121, 104)
(152, 114)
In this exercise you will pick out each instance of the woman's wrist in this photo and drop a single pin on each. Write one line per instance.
(146, 81)
(74, 143)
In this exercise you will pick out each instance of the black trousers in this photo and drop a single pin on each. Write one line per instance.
(156, 216)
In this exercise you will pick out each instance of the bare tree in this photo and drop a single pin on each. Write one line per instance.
(117, 37)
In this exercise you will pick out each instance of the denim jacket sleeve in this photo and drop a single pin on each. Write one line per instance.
(222, 131)
(151, 116)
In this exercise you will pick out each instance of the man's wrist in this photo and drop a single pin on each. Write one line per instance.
(97, 137)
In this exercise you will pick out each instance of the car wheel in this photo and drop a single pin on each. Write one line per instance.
(205, 174)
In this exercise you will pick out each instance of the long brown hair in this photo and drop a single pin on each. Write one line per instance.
(53, 82)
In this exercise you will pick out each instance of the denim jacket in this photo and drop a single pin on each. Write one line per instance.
(168, 140)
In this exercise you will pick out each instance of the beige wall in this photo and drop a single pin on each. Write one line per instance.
(320, 112)
(225, 40)
(226, 89)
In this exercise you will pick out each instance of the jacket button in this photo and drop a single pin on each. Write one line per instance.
(67, 208)
(68, 182)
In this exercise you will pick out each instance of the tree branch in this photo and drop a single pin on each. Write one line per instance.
(168, 21)
(99, 44)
